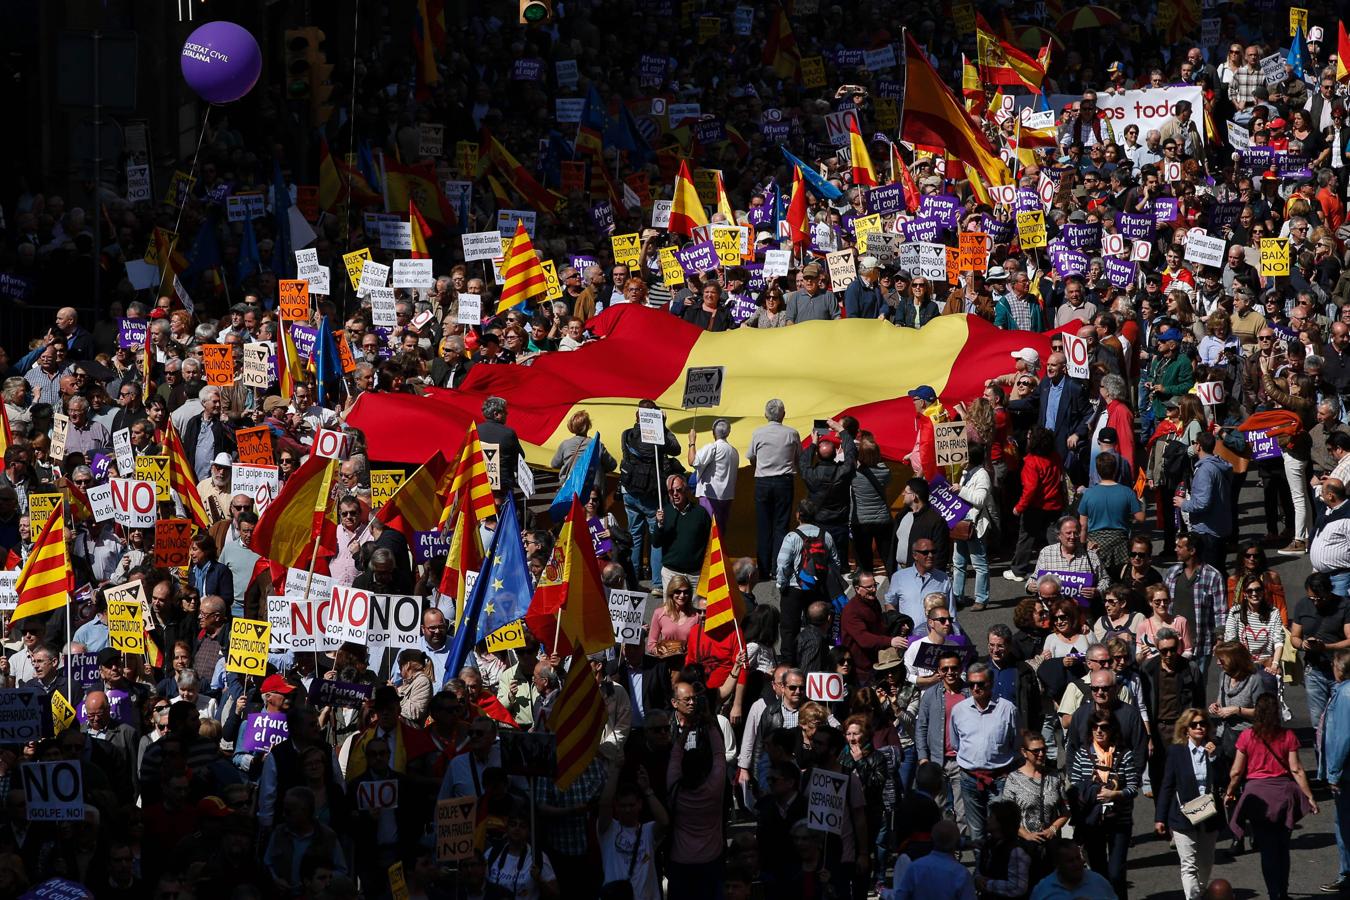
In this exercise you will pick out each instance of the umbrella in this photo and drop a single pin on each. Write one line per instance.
(1033, 37)
(1087, 17)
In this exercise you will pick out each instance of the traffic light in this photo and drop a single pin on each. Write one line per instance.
(536, 12)
(308, 72)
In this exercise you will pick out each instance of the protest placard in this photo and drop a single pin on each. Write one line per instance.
(126, 631)
(1031, 228)
(53, 791)
(262, 483)
(218, 362)
(1274, 257)
(843, 269)
(134, 502)
(60, 433)
(355, 263)
(257, 371)
(173, 542)
(293, 299)
(951, 445)
(825, 793)
(455, 823)
(825, 687)
(250, 642)
(255, 445)
(155, 469)
(414, 273)
(383, 484)
(21, 715)
(626, 610)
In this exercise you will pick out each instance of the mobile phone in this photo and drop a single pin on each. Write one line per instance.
(819, 427)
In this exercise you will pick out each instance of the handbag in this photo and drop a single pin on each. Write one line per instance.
(1201, 809)
(963, 530)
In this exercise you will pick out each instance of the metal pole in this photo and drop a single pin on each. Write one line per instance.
(95, 301)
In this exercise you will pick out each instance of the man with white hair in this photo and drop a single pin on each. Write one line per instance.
(716, 465)
(84, 435)
(206, 435)
(215, 490)
(774, 450)
(862, 299)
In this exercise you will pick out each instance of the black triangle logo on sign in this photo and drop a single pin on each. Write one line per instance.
(259, 629)
(26, 699)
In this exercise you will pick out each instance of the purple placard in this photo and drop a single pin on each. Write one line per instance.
(1026, 200)
(1293, 164)
(710, 131)
(652, 68)
(776, 132)
(1166, 209)
(1068, 262)
(922, 229)
(946, 501)
(1119, 272)
(1224, 214)
(697, 258)
(58, 889)
(120, 708)
(1263, 445)
(131, 333)
(886, 199)
(600, 537)
(760, 214)
(890, 90)
(263, 731)
(848, 58)
(741, 307)
(429, 545)
(580, 262)
(84, 669)
(999, 231)
(602, 216)
(1135, 226)
(755, 282)
(328, 692)
(1257, 159)
(99, 462)
(1285, 333)
(1072, 584)
(305, 338)
(1082, 235)
(943, 207)
(527, 70)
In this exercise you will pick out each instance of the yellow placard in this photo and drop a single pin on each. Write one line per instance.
(672, 274)
(249, 640)
(963, 14)
(1298, 20)
(1031, 228)
(355, 262)
(727, 243)
(864, 227)
(126, 631)
(181, 184)
(155, 469)
(398, 884)
(40, 508)
(813, 72)
(627, 249)
(1274, 257)
(383, 484)
(709, 27)
(466, 159)
(705, 183)
(554, 287)
(887, 116)
(63, 714)
(509, 637)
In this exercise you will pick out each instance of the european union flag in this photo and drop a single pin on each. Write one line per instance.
(579, 480)
(1298, 55)
(817, 185)
(327, 362)
(500, 596)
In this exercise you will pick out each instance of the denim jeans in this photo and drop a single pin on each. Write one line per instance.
(977, 804)
(641, 528)
(1107, 847)
(1342, 827)
(1340, 583)
(973, 552)
(773, 511)
(1318, 687)
(909, 763)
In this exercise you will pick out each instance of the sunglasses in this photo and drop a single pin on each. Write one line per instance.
(1198, 724)
(945, 620)
(1167, 650)
(1063, 619)
(979, 685)
(1102, 728)
(925, 552)
(1033, 749)
(1096, 689)
(1136, 554)
(794, 687)
(1026, 384)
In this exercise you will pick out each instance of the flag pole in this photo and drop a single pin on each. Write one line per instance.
(904, 90)
(70, 675)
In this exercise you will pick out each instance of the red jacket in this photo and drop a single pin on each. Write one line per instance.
(863, 629)
(1042, 485)
(716, 656)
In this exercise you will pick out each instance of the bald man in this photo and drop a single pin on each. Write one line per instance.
(79, 343)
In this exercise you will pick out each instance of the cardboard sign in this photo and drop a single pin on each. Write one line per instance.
(456, 818)
(672, 274)
(1071, 584)
(492, 461)
(126, 632)
(173, 540)
(1263, 446)
(100, 502)
(60, 434)
(825, 801)
(331, 444)
(326, 692)
(218, 361)
(134, 502)
(63, 714)
(53, 791)
(127, 592)
(398, 882)
(262, 483)
(661, 213)
(262, 731)
(1076, 355)
(21, 715)
(726, 240)
(1298, 20)
(354, 263)
(469, 309)
(126, 457)
(1210, 393)
(827, 687)
(625, 614)
(813, 72)
(155, 469)
(373, 275)
(510, 636)
(376, 795)
(702, 387)
(1205, 250)
(40, 508)
(949, 438)
(843, 269)
(383, 484)
(255, 446)
(1031, 228)
(293, 299)
(1274, 257)
(430, 139)
(414, 273)
(652, 426)
(250, 642)
(947, 501)
(257, 371)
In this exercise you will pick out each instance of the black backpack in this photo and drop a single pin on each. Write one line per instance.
(814, 563)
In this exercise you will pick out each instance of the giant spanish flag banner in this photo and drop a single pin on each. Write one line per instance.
(820, 370)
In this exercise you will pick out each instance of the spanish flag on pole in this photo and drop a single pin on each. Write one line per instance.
(1342, 53)
(417, 503)
(725, 607)
(420, 231)
(571, 611)
(686, 210)
(723, 202)
(6, 436)
(796, 211)
(523, 274)
(289, 370)
(863, 173)
(46, 579)
(291, 524)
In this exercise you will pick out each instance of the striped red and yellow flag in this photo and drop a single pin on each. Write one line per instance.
(577, 718)
(686, 210)
(780, 47)
(465, 555)
(572, 607)
(861, 160)
(420, 231)
(470, 480)
(46, 580)
(725, 606)
(522, 272)
(6, 435)
(723, 202)
(1342, 53)
(796, 211)
(420, 500)
(972, 89)
(181, 479)
(290, 372)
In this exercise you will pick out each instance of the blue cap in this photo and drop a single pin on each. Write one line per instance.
(925, 393)
(1170, 334)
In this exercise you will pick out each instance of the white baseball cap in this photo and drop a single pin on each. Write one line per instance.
(1028, 356)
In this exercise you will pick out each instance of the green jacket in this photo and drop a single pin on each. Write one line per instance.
(1176, 377)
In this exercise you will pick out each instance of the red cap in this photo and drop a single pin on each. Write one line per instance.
(828, 437)
(212, 808)
(275, 684)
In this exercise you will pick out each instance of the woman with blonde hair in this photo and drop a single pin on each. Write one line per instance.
(673, 620)
(573, 448)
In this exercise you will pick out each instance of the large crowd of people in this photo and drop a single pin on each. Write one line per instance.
(886, 715)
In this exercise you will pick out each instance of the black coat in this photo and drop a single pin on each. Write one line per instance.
(193, 429)
(1179, 786)
(508, 448)
(1191, 691)
(1074, 415)
(829, 482)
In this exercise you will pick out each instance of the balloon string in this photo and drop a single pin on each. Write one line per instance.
(192, 171)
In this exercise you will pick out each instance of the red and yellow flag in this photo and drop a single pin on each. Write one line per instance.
(726, 606)
(287, 529)
(403, 184)
(780, 47)
(147, 361)
(46, 580)
(181, 480)
(577, 718)
(573, 607)
(6, 435)
(417, 503)
(972, 89)
(1342, 53)
(861, 160)
(796, 211)
(466, 555)
(934, 118)
(495, 154)
(290, 371)
(522, 272)
(471, 478)
(900, 173)
(420, 231)
(686, 210)
(723, 202)
(1003, 63)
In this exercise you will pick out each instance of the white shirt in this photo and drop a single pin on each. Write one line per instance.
(1200, 766)
(912, 653)
(626, 854)
(1330, 549)
(512, 872)
(716, 465)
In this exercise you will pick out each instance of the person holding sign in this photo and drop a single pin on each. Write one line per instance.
(710, 315)
(640, 476)
(205, 572)
(918, 308)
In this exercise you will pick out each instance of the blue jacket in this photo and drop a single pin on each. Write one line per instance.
(1074, 415)
(1336, 734)
(217, 579)
(930, 725)
(1003, 317)
(1209, 505)
(1179, 786)
(862, 301)
(907, 316)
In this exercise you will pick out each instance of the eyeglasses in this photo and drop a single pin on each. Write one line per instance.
(1167, 650)
(353, 513)
(239, 507)
(794, 687)
(1138, 554)
(1198, 724)
(682, 591)
(978, 685)
(1033, 750)
(1101, 728)
(925, 552)
(1254, 592)
(1122, 657)
(845, 662)
(1100, 689)
(945, 620)
(1026, 384)
(1063, 619)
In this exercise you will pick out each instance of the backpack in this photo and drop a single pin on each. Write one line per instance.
(814, 562)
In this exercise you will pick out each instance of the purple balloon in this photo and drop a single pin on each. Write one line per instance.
(221, 62)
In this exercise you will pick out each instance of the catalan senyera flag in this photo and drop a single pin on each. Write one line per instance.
(686, 210)
(420, 231)
(493, 153)
(6, 435)
(780, 46)
(522, 272)
(726, 606)
(796, 211)
(147, 361)
(287, 529)
(417, 503)
(933, 117)
(404, 184)
(1342, 53)
(860, 159)
(646, 355)
(470, 478)
(465, 555)
(572, 606)
(181, 480)
(46, 579)
(577, 718)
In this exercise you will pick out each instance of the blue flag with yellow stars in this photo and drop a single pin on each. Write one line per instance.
(500, 596)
